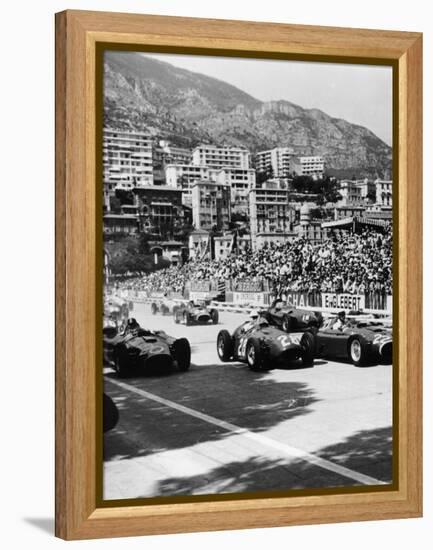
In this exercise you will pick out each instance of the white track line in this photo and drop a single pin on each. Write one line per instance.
(288, 450)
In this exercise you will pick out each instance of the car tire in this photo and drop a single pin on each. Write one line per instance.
(254, 356)
(214, 315)
(154, 309)
(357, 352)
(121, 363)
(176, 316)
(187, 318)
(287, 323)
(225, 346)
(308, 343)
(182, 354)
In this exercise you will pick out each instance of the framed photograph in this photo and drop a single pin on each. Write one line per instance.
(238, 274)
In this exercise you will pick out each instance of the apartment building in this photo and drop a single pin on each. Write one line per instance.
(210, 205)
(240, 181)
(221, 157)
(351, 193)
(183, 177)
(274, 161)
(127, 159)
(307, 166)
(271, 215)
(383, 193)
(160, 209)
(165, 153)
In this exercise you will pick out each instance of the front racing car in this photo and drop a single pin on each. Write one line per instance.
(263, 346)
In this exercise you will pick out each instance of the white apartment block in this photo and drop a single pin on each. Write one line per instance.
(221, 157)
(210, 205)
(271, 215)
(277, 160)
(127, 159)
(383, 193)
(165, 153)
(307, 166)
(183, 176)
(240, 181)
(351, 193)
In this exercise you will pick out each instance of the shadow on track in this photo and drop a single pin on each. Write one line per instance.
(251, 400)
(367, 451)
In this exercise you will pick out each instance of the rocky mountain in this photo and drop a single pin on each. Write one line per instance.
(189, 108)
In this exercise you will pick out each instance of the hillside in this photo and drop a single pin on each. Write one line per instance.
(188, 108)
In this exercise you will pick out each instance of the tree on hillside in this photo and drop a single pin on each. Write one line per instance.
(125, 197)
(326, 188)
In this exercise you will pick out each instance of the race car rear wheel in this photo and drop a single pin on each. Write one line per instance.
(287, 323)
(154, 309)
(121, 363)
(308, 344)
(182, 354)
(357, 352)
(177, 316)
(225, 345)
(254, 356)
(214, 315)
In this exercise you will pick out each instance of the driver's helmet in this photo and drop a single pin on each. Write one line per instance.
(279, 305)
(341, 315)
(131, 323)
(254, 315)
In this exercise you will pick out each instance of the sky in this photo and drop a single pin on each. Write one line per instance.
(361, 94)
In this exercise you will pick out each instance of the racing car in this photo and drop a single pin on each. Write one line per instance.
(363, 342)
(291, 319)
(165, 306)
(137, 349)
(196, 312)
(116, 311)
(262, 346)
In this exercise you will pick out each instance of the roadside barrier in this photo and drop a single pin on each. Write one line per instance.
(369, 304)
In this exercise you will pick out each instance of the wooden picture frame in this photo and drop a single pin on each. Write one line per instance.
(78, 266)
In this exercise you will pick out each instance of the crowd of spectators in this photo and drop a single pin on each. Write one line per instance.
(354, 263)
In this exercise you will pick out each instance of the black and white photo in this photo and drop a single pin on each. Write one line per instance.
(248, 275)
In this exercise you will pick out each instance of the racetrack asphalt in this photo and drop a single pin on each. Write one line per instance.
(221, 428)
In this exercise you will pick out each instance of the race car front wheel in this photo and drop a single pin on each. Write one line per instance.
(182, 354)
(254, 356)
(224, 345)
(153, 309)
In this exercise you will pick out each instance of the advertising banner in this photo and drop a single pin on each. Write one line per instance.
(247, 286)
(343, 301)
(298, 299)
(200, 286)
(244, 298)
(198, 294)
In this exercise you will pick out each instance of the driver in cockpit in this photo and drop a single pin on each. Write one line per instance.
(339, 322)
